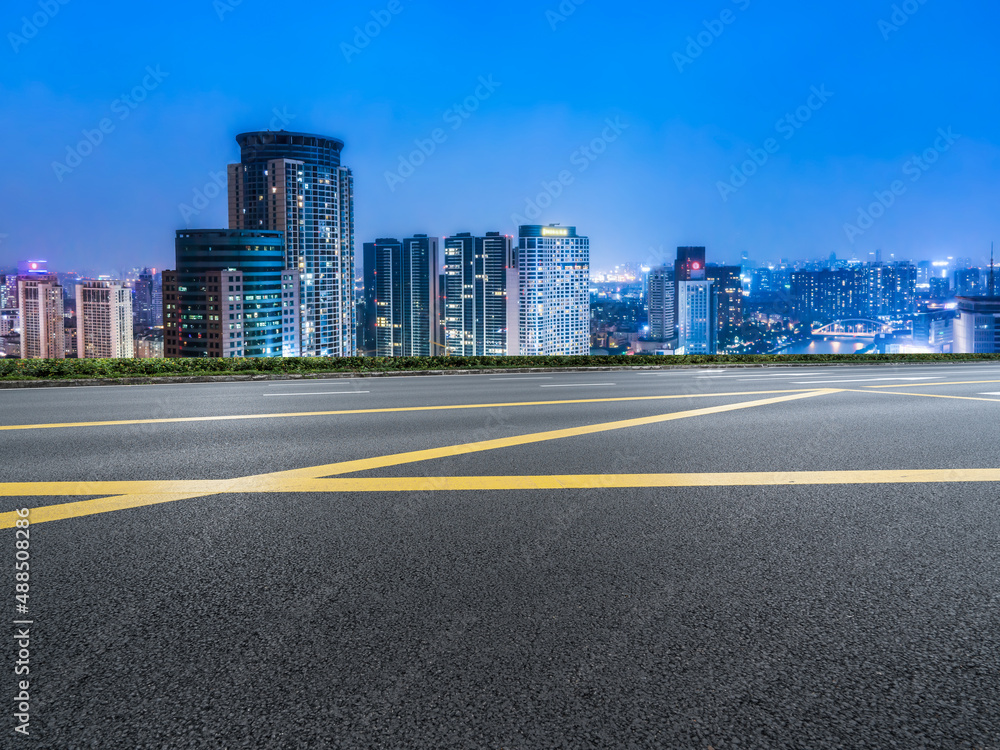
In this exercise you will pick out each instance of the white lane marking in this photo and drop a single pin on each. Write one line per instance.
(576, 385)
(323, 393)
(990, 394)
(312, 382)
(514, 377)
(866, 380)
(747, 377)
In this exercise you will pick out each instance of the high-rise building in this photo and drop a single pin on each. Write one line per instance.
(977, 330)
(904, 290)
(8, 321)
(225, 297)
(147, 302)
(690, 264)
(295, 183)
(291, 313)
(475, 294)
(8, 292)
(925, 272)
(828, 295)
(968, 282)
(553, 279)
(149, 344)
(41, 312)
(935, 329)
(401, 315)
(891, 290)
(104, 320)
(939, 288)
(728, 285)
(142, 300)
(805, 296)
(661, 301)
(697, 326)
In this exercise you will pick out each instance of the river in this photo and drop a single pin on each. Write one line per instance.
(831, 345)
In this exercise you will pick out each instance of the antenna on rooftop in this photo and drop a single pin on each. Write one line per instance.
(993, 288)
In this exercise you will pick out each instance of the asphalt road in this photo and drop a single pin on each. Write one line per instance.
(693, 559)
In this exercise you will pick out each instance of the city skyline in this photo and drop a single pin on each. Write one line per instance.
(856, 112)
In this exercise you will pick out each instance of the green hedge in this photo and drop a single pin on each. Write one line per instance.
(19, 369)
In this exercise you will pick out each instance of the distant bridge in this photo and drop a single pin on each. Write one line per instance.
(862, 328)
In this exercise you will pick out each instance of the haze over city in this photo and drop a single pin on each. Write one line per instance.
(627, 124)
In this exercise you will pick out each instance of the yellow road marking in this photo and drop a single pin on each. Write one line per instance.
(926, 385)
(365, 464)
(94, 507)
(930, 395)
(137, 494)
(274, 482)
(344, 412)
(624, 481)
(554, 482)
(80, 489)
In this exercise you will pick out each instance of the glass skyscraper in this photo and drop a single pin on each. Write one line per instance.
(660, 296)
(401, 279)
(295, 183)
(696, 319)
(147, 302)
(225, 297)
(553, 279)
(475, 294)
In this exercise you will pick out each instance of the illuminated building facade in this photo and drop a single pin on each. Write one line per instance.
(661, 298)
(553, 280)
(697, 326)
(225, 297)
(104, 320)
(295, 183)
(475, 294)
(401, 296)
(977, 330)
(41, 312)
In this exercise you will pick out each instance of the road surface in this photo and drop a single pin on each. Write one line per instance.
(744, 558)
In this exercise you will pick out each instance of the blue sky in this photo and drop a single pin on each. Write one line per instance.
(685, 116)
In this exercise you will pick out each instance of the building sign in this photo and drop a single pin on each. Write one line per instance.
(554, 232)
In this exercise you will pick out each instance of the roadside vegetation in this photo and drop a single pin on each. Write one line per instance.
(66, 369)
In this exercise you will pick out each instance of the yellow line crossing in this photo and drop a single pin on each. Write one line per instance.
(623, 481)
(927, 385)
(137, 494)
(480, 484)
(392, 410)
(123, 495)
